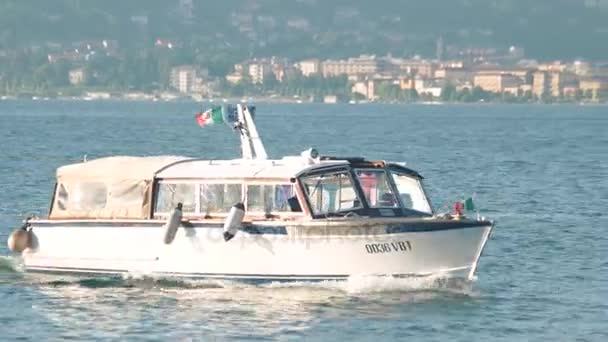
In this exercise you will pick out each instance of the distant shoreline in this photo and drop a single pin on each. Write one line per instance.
(270, 100)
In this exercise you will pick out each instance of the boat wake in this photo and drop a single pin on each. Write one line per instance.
(378, 284)
(353, 286)
(362, 285)
(10, 264)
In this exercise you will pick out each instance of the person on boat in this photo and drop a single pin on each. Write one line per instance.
(388, 200)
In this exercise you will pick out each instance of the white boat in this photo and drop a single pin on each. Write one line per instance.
(303, 217)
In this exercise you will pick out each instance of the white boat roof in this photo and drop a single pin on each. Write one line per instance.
(285, 168)
(179, 167)
(127, 168)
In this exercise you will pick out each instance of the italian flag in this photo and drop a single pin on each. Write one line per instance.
(210, 116)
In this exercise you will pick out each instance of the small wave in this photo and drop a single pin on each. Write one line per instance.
(164, 281)
(379, 284)
(126, 282)
(354, 285)
(367, 284)
(10, 264)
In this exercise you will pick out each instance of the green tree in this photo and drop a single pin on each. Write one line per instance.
(465, 95)
(546, 97)
(448, 92)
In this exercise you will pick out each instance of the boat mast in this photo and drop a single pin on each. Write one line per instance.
(251, 142)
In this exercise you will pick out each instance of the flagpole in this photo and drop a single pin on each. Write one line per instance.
(256, 140)
(245, 143)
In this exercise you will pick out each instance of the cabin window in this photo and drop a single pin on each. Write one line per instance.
(269, 198)
(219, 198)
(376, 188)
(411, 193)
(122, 194)
(282, 194)
(169, 195)
(62, 197)
(87, 196)
(259, 198)
(329, 193)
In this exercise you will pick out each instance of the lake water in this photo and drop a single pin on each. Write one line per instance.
(540, 171)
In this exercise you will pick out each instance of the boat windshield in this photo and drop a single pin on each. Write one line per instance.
(369, 191)
(376, 188)
(331, 193)
(411, 192)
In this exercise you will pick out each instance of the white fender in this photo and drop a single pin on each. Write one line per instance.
(19, 240)
(173, 223)
(233, 221)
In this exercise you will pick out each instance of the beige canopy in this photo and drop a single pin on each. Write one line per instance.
(112, 187)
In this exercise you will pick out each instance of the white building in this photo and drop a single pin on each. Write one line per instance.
(257, 71)
(77, 76)
(362, 65)
(364, 88)
(309, 67)
(187, 78)
(424, 86)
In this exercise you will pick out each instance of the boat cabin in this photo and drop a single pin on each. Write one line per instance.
(296, 187)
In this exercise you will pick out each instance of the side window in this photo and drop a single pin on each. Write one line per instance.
(62, 197)
(219, 198)
(282, 194)
(269, 198)
(259, 198)
(411, 193)
(88, 196)
(168, 195)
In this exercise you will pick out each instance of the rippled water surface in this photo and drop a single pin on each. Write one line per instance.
(540, 171)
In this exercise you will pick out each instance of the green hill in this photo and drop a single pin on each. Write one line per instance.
(547, 29)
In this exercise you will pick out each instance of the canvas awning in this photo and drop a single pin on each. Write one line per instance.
(121, 167)
(107, 188)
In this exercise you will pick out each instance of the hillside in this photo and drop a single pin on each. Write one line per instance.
(546, 29)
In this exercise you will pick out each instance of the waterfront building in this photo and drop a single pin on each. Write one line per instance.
(362, 65)
(408, 83)
(559, 80)
(556, 66)
(454, 75)
(581, 68)
(419, 67)
(182, 78)
(540, 83)
(309, 67)
(570, 92)
(259, 69)
(234, 77)
(552, 82)
(427, 86)
(364, 88)
(77, 76)
(497, 82)
(257, 72)
(595, 87)
(187, 78)
(525, 74)
(525, 88)
(330, 99)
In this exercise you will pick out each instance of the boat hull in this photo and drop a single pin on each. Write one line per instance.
(273, 251)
